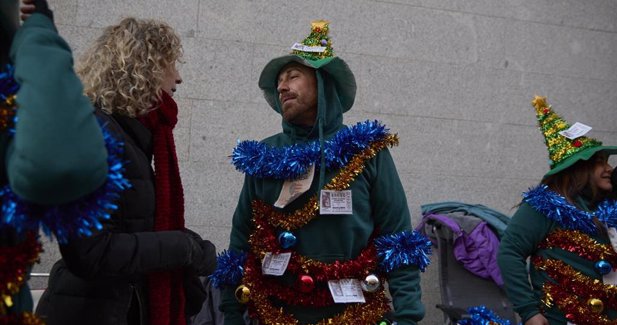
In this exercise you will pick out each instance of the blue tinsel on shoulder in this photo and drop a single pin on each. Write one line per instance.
(73, 219)
(403, 249)
(261, 160)
(555, 207)
(229, 269)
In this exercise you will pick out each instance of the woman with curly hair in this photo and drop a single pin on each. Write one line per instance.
(142, 266)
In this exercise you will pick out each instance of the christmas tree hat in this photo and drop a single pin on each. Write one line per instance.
(316, 52)
(566, 143)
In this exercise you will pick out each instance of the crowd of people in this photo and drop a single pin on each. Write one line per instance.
(90, 159)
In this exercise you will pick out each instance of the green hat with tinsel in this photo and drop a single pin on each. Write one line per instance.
(566, 143)
(316, 52)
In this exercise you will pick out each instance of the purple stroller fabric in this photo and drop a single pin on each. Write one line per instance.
(476, 251)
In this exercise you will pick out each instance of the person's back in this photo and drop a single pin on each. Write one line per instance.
(54, 173)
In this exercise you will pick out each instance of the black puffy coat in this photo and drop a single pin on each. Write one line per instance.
(101, 280)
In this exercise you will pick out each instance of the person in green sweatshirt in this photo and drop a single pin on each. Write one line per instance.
(55, 173)
(322, 222)
(566, 227)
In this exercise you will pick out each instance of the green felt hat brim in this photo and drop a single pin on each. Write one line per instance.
(339, 70)
(584, 154)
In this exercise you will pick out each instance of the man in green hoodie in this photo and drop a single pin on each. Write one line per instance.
(54, 173)
(322, 220)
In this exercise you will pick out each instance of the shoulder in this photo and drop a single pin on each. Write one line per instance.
(276, 140)
(527, 216)
(109, 123)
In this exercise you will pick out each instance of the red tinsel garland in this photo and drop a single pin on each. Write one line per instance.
(581, 244)
(21, 319)
(577, 284)
(576, 311)
(15, 261)
(264, 240)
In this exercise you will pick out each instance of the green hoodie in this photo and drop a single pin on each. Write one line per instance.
(57, 153)
(526, 230)
(379, 202)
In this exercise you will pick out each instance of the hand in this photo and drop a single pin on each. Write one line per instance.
(537, 319)
(30, 7)
(203, 254)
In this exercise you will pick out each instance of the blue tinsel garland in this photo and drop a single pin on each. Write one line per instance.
(8, 85)
(229, 269)
(261, 160)
(77, 218)
(403, 249)
(482, 316)
(557, 208)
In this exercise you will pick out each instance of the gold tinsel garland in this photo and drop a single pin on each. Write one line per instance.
(572, 291)
(7, 112)
(342, 181)
(26, 318)
(575, 241)
(377, 303)
(368, 313)
(15, 261)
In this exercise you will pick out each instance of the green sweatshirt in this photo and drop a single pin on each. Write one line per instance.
(525, 232)
(379, 202)
(57, 153)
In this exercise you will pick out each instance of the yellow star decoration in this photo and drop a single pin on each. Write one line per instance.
(539, 102)
(319, 24)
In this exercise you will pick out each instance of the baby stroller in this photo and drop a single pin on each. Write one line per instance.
(466, 238)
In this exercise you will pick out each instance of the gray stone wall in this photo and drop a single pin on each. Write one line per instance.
(453, 78)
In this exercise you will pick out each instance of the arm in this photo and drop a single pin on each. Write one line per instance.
(391, 213)
(240, 231)
(58, 153)
(525, 231)
(109, 254)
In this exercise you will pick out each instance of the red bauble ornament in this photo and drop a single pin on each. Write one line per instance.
(306, 283)
(577, 143)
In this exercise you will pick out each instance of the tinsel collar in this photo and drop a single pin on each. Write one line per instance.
(263, 161)
(555, 207)
(8, 91)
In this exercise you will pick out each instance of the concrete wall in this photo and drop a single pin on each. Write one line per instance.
(453, 78)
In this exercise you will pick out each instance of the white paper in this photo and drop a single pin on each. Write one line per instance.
(304, 48)
(345, 291)
(275, 264)
(576, 130)
(335, 202)
(292, 189)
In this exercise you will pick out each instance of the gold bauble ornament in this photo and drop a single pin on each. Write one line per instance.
(596, 305)
(243, 294)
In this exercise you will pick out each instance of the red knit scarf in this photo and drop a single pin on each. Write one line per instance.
(165, 289)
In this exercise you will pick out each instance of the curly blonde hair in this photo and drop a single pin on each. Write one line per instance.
(123, 71)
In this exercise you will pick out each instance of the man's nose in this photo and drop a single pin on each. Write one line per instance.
(282, 87)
